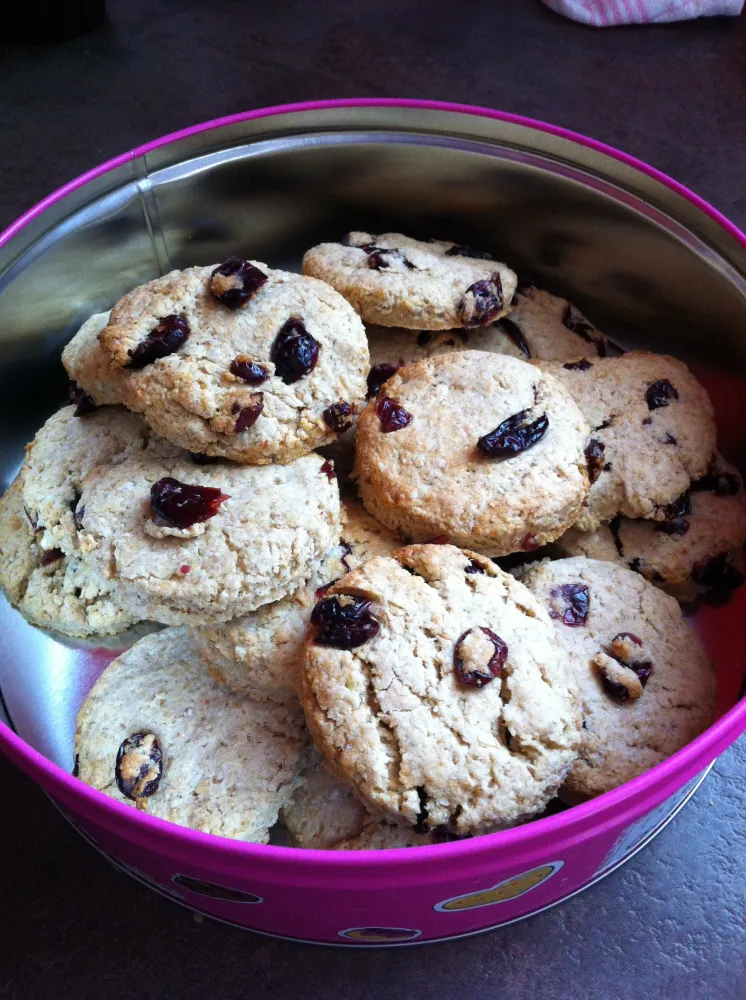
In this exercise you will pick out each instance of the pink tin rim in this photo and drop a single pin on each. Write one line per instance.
(690, 759)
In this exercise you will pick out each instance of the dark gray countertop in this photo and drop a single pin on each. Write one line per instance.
(671, 922)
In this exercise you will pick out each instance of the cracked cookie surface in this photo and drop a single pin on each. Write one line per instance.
(229, 388)
(393, 280)
(430, 478)
(262, 544)
(395, 721)
(666, 673)
(655, 428)
(228, 764)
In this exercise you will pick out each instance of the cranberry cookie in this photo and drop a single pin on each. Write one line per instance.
(239, 361)
(646, 685)
(697, 550)
(652, 432)
(482, 449)
(191, 543)
(393, 280)
(434, 687)
(157, 732)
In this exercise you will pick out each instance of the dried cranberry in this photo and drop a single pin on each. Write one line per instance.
(420, 823)
(139, 766)
(186, 568)
(669, 439)
(578, 366)
(321, 591)
(474, 567)
(199, 459)
(83, 402)
(570, 603)
(722, 484)
(574, 320)
(719, 575)
(643, 668)
(378, 375)
(614, 527)
(294, 352)
(391, 414)
(51, 556)
(166, 338)
(343, 621)
(513, 436)
(473, 674)
(381, 259)
(461, 251)
(529, 543)
(594, 456)
(179, 505)
(660, 394)
(328, 469)
(337, 416)
(614, 689)
(424, 338)
(680, 507)
(481, 302)
(248, 371)
(235, 281)
(647, 421)
(248, 414)
(513, 331)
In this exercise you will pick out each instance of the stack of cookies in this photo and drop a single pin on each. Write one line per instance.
(484, 621)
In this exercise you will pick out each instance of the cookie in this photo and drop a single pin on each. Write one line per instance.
(50, 589)
(697, 550)
(260, 653)
(239, 361)
(323, 811)
(474, 447)
(157, 732)
(393, 280)
(192, 543)
(652, 432)
(89, 368)
(646, 685)
(63, 452)
(378, 835)
(433, 687)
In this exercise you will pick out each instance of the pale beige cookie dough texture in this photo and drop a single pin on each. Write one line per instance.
(654, 431)
(697, 550)
(42, 568)
(324, 814)
(51, 590)
(86, 363)
(260, 654)
(262, 544)
(394, 718)
(429, 479)
(622, 739)
(64, 451)
(228, 765)
(203, 395)
(393, 280)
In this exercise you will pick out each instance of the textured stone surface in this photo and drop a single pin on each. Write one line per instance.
(670, 923)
